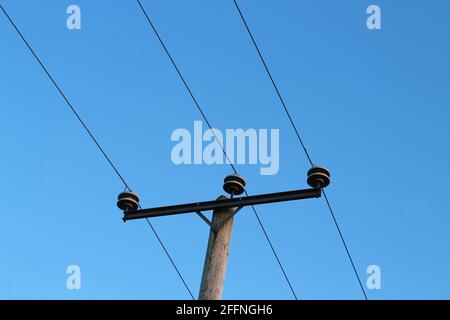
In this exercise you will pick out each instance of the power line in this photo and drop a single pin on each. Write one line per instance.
(170, 258)
(66, 100)
(300, 140)
(274, 84)
(200, 109)
(91, 135)
(344, 244)
(274, 251)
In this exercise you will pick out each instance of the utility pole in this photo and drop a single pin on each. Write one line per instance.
(213, 278)
(224, 210)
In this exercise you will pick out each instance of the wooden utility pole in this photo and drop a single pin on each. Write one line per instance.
(214, 270)
(224, 209)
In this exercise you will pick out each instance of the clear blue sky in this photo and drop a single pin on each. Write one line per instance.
(372, 106)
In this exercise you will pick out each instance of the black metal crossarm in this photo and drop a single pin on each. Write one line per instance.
(223, 204)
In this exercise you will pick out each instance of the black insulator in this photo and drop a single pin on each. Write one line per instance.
(318, 177)
(128, 201)
(234, 184)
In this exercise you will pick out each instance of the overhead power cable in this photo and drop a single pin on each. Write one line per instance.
(302, 144)
(202, 113)
(91, 135)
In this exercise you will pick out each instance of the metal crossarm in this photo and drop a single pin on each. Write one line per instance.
(223, 204)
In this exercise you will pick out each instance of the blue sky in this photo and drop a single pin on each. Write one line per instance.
(372, 106)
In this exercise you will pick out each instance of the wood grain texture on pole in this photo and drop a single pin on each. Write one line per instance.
(214, 270)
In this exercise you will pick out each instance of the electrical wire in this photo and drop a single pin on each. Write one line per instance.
(274, 85)
(69, 104)
(200, 109)
(344, 243)
(91, 135)
(274, 251)
(170, 258)
(263, 61)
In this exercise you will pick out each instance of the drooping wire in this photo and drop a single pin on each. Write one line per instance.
(91, 135)
(263, 61)
(200, 109)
